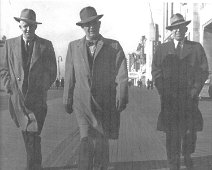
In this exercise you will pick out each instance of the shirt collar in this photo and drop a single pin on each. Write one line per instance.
(176, 42)
(25, 40)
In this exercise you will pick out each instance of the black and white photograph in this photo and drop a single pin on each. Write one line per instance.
(105, 85)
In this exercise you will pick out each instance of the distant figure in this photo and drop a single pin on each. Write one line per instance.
(179, 70)
(95, 90)
(4, 38)
(130, 83)
(62, 82)
(28, 69)
(151, 84)
(148, 84)
(57, 83)
(140, 83)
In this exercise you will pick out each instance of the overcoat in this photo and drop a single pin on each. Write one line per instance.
(176, 76)
(97, 95)
(42, 74)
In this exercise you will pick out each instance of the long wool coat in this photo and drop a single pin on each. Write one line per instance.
(100, 94)
(42, 74)
(175, 78)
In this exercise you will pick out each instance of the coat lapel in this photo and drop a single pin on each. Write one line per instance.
(186, 50)
(98, 47)
(17, 49)
(171, 48)
(36, 51)
(83, 50)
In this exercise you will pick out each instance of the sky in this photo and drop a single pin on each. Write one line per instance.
(123, 20)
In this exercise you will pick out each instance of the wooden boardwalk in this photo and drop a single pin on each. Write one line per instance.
(140, 146)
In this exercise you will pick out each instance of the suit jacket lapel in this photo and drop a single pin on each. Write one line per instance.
(83, 50)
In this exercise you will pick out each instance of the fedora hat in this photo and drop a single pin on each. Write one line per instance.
(88, 14)
(176, 20)
(27, 15)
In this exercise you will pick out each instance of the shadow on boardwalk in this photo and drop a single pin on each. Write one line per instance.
(200, 163)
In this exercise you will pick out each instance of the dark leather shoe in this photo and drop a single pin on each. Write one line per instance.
(37, 167)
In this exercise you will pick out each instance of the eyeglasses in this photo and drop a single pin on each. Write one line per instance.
(180, 28)
(89, 24)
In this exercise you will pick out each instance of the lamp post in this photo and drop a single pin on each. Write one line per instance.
(58, 61)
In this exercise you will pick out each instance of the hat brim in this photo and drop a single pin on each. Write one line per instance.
(171, 27)
(89, 20)
(27, 20)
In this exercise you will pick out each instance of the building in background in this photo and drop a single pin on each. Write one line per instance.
(137, 63)
(140, 62)
(205, 30)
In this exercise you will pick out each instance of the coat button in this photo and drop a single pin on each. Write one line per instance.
(19, 79)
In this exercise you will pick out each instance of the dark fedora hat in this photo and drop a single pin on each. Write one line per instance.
(27, 15)
(176, 20)
(88, 14)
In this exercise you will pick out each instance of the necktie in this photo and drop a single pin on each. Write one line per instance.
(27, 46)
(178, 49)
(92, 46)
(91, 42)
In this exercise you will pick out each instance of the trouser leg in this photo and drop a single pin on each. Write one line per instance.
(86, 152)
(188, 147)
(94, 149)
(189, 143)
(173, 143)
(33, 149)
(101, 153)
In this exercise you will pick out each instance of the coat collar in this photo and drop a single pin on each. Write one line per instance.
(18, 49)
(99, 46)
(83, 49)
(185, 50)
(36, 51)
(35, 54)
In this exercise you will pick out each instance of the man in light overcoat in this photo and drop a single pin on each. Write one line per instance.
(28, 69)
(96, 90)
(179, 69)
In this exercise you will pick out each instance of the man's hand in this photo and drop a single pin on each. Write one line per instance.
(68, 108)
(119, 107)
(9, 91)
(8, 88)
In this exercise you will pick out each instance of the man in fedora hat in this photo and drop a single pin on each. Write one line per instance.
(179, 69)
(95, 90)
(28, 69)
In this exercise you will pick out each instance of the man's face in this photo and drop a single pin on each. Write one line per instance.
(179, 32)
(92, 29)
(27, 29)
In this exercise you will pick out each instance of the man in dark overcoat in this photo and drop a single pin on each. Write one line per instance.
(28, 69)
(179, 69)
(96, 90)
